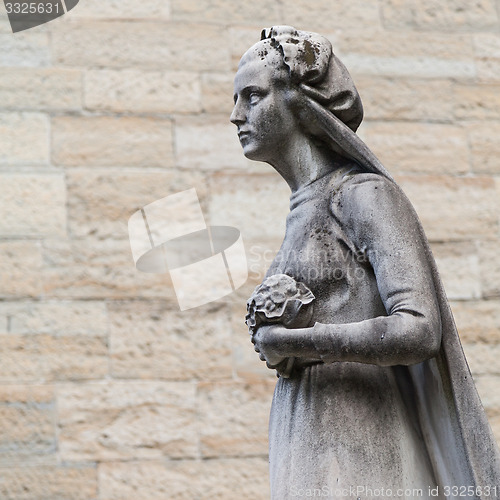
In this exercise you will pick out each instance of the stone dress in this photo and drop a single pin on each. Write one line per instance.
(342, 428)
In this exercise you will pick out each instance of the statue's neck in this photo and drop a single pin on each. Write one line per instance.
(305, 162)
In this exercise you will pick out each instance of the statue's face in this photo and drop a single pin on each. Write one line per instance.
(261, 111)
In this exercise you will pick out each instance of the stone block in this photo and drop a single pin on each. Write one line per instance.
(478, 321)
(33, 205)
(225, 11)
(453, 208)
(141, 44)
(408, 55)
(419, 147)
(458, 265)
(151, 341)
(482, 358)
(234, 417)
(28, 49)
(198, 143)
(247, 364)
(115, 420)
(20, 269)
(100, 201)
(28, 430)
(47, 89)
(123, 9)
(112, 141)
(487, 51)
(396, 13)
(60, 318)
(485, 147)
(477, 102)
(58, 482)
(24, 138)
(410, 99)
(42, 357)
(137, 91)
(326, 15)
(217, 93)
(100, 269)
(489, 262)
(488, 387)
(456, 15)
(239, 199)
(185, 480)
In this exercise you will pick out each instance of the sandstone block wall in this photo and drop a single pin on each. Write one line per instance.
(107, 390)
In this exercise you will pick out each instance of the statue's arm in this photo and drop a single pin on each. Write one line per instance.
(380, 221)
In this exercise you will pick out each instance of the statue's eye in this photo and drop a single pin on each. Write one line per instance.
(254, 98)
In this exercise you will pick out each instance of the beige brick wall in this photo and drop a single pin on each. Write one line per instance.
(107, 390)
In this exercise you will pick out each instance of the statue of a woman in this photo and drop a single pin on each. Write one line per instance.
(375, 397)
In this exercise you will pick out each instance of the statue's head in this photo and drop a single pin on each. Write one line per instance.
(276, 79)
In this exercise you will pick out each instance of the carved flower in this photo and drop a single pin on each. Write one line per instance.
(279, 299)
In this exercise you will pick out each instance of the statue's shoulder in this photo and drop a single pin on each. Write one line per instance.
(361, 194)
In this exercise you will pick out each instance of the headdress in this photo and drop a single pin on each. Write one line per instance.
(328, 91)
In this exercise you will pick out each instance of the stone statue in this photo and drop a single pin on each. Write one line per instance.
(374, 397)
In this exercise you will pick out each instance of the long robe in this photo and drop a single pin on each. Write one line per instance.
(379, 429)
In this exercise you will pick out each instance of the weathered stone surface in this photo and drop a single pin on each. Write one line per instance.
(139, 44)
(123, 9)
(20, 269)
(98, 269)
(217, 92)
(453, 208)
(28, 430)
(399, 147)
(234, 417)
(142, 91)
(458, 265)
(224, 11)
(478, 321)
(33, 205)
(78, 482)
(115, 420)
(218, 479)
(205, 152)
(111, 141)
(485, 148)
(24, 138)
(494, 420)
(50, 89)
(483, 358)
(24, 49)
(36, 358)
(489, 260)
(474, 102)
(79, 318)
(233, 198)
(408, 55)
(144, 335)
(100, 201)
(410, 99)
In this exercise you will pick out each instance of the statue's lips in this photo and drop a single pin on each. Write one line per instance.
(243, 135)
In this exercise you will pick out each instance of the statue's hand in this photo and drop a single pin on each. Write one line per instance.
(267, 343)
